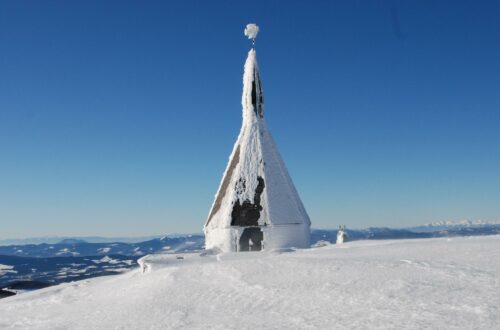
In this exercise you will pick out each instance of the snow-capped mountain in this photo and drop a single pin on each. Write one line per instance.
(70, 260)
(450, 224)
(25, 273)
(425, 231)
(80, 248)
(88, 239)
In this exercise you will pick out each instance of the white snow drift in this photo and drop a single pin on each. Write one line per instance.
(407, 284)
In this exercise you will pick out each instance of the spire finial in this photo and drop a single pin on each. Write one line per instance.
(251, 31)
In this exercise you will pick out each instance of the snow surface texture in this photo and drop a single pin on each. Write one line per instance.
(437, 283)
(251, 31)
(283, 218)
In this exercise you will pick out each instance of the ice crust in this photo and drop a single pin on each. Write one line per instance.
(257, 157)
(251, 31)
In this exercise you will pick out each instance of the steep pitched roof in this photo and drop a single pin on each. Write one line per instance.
(256, 188)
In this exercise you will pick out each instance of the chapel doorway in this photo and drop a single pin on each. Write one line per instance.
(251, 239)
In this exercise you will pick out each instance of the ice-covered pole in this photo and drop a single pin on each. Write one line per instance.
(252, 98)
(251, 32)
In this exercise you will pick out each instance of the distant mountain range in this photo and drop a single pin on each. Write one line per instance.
(75, 259)
(88, 239)
(81, 248)
(451, 225)
(30, 266)
(425, 231)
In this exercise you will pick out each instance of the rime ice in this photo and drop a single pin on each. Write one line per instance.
(251, 31)
(257, 206)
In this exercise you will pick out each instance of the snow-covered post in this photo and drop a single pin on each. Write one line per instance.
(341, 235)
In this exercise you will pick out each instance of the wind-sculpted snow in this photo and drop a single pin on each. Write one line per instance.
(438, 283)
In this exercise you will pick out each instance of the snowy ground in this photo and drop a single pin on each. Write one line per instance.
(443, 283)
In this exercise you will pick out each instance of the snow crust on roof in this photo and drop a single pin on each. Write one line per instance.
(258, 157)
(248, 149)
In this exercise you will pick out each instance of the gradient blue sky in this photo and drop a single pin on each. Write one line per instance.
(118, 117)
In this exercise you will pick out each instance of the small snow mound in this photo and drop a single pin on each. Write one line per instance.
(211, 252)
(321, 243)
(145, 268)
(281, 250)
(251, 31)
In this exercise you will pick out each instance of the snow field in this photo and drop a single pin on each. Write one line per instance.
(398, 284)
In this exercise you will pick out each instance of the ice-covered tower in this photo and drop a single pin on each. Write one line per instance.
(257, 206)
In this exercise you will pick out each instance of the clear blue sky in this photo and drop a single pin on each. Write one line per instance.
(118, 117)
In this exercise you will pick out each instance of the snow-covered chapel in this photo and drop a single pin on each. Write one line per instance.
(257, 206)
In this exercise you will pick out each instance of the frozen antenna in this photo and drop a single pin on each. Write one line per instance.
(251, 32)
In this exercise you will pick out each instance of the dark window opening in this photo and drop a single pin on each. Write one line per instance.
(248, 214)
(254, 96)
(251, 239)
(257, 102)
(261, 99)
